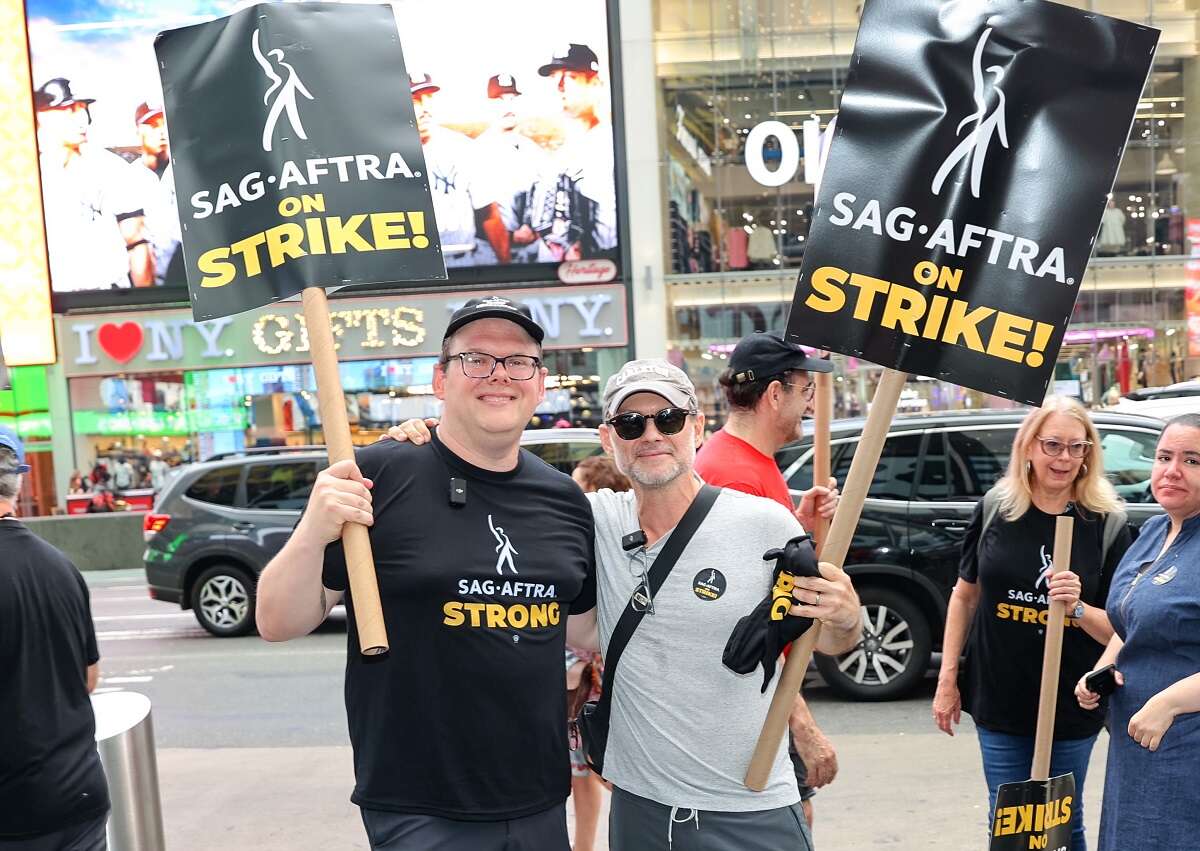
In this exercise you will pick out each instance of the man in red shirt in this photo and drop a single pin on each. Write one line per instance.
(769, 391)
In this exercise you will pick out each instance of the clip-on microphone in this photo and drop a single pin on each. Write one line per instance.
(633, 540)
(458, 492)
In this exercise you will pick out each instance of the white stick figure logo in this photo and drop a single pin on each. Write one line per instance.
(975, 146)
(285, 92)
(504, 548)
(1047, 569)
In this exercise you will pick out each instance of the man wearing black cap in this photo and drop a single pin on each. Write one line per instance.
(574, 211)
(769, 391)
(94, 218)
(53, 794)
(484, 557)
(469, 223)
(515, 161)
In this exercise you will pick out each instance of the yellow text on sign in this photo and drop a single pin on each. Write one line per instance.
(390, 231)
(1032, 818)
(938, 317)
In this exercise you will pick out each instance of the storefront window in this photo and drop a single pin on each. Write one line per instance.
(735, 243)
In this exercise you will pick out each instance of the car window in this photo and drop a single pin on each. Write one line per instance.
(279, 486)
(218, 487)
(564, 456)
(977, 458)
(933, 482)
(800, 477)
(789, 455)
(1128, 460)
(896, 471)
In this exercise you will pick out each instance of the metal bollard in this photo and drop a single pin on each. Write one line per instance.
(125, 739)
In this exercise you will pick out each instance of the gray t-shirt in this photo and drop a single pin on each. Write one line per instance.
(683, 725)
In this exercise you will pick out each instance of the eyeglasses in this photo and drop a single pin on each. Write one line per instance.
(482, 365)
(1054, 448)
(807, 390)
(632, 425)
(641, 600)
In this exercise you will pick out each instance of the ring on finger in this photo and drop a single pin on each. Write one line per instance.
(818, 601)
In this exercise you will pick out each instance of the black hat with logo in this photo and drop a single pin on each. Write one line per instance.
(57, 93)
(764, 355)
(495, 307)
(577, 57)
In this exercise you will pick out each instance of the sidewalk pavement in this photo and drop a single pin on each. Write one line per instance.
(893, 791)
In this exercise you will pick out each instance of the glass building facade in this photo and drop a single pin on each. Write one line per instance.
(733, 246)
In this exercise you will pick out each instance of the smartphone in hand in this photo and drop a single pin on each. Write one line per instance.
(1102, 682)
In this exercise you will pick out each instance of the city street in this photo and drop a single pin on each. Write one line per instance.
(253, 752)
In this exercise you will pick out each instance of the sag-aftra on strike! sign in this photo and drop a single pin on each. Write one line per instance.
(974, 151)
(297, 157)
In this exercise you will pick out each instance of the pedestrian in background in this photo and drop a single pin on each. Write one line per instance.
(999, 606)
(769, 391)
(584, 671)
(53, 795)
(1151, 798)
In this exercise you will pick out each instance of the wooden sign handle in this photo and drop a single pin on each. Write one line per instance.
(1064, 528)
(822, 416)
(833, 550)
(364, 586)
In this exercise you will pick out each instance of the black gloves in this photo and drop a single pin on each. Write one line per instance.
(760, 636)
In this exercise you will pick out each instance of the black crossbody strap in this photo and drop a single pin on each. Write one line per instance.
(663, 563)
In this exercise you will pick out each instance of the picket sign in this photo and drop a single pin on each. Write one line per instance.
(833, 551)
(360, 564)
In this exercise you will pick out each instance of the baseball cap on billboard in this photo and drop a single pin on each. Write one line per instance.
(9, 440)
(650, 375)
(577, 57)
(502, 84)
(147, 112)
(765, 355)
(57, 93)
(495, 307)
(422, 83)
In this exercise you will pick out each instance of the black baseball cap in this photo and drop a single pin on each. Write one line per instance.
(765, 355)
(577, 57)
(56, 93)
(502, 84)
(495, 307)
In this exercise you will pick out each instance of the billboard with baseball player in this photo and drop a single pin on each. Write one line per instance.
(515, 123)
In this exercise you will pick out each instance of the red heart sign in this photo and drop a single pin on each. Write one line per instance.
(120, 342)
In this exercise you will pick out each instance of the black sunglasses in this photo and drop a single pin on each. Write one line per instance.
(632, 425)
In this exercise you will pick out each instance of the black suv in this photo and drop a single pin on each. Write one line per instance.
(216, 524)
(905, 553)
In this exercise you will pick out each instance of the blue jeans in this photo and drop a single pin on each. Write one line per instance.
(1009, 759)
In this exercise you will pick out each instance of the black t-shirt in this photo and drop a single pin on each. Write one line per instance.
(1001, 679)
(465, 717)
(50, 773)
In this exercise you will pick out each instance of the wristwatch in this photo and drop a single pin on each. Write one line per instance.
(1077, 612)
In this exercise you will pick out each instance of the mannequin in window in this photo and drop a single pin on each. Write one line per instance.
(762, 248)
(1112, 231)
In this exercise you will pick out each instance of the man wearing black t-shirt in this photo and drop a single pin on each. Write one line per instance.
(459, 733)
(53, 795)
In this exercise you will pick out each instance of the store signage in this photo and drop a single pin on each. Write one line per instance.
(1191, 292)
(301, 191)
(965, 185)
(587, 271)
(364, 328)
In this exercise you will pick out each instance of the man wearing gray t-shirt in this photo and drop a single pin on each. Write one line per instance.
(683, 726)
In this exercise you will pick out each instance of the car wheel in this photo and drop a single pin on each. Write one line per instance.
(223, 600)
(892, 657)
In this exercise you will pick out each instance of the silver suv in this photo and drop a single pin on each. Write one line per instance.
(216, 524)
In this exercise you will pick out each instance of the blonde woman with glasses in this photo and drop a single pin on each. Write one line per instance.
(999, 608)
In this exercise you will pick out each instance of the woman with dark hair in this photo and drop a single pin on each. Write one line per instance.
(1151, 797)
(999, 606)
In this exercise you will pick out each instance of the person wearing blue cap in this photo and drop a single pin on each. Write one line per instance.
(53, 794)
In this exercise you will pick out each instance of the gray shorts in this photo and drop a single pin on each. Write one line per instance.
(639, 824)
(544, 831)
